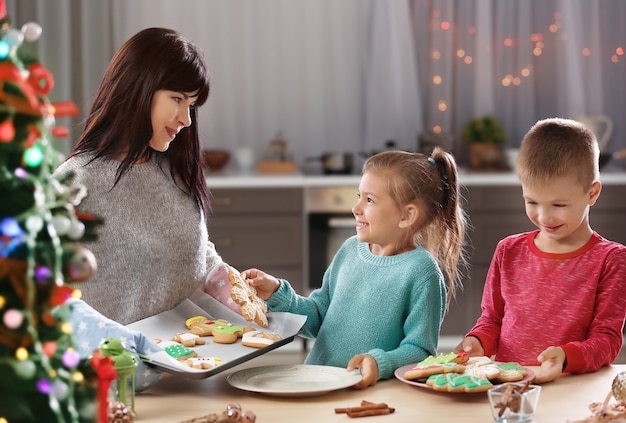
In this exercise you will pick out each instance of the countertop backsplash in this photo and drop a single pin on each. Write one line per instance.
(234, 179)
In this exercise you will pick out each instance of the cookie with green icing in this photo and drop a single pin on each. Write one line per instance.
(223, 331)
(177, 351)
(511, 372)
(438, 364)
(456, 382)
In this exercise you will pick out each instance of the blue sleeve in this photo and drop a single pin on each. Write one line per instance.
(90, 328)
(314, 306)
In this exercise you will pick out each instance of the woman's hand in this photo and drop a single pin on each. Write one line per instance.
(216, 277)
(369, 369)
(264, 283)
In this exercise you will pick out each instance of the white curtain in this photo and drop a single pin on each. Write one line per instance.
(521, 61)
(347, 75)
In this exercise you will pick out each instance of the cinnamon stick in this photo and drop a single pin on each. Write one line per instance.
(370, 412)
(364, 406)
(366, 409)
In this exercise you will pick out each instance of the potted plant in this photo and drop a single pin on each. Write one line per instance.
(485, 136)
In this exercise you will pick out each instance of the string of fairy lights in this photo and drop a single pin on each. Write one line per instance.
(535, 44)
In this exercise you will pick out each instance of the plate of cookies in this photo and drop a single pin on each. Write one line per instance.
(460, 373)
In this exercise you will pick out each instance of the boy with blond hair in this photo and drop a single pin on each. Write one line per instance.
(554, 297)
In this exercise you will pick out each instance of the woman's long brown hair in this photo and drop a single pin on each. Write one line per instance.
(120, 117)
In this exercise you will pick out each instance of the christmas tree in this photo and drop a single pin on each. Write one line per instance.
(42, 377)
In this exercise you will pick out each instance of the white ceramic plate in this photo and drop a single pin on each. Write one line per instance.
(294, 381)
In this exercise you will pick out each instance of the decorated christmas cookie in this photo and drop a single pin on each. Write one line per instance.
(176, 350)
(188, 339)
(439, 364)
(511, 372)
(482, 367)
(226, 285)
(202, 326)
(260, 339)
(204, 363)
(252, 307)
(223, 332)
(455, 382)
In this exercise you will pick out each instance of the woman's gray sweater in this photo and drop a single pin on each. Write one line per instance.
(153, 249)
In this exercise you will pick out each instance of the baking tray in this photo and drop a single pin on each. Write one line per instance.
(165, 325)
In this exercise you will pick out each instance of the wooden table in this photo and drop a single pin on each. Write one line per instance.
(175, 399)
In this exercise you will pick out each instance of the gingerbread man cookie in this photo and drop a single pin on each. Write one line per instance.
(202, 326)
(223, 332)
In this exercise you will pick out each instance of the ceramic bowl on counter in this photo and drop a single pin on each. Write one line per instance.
(216, 160)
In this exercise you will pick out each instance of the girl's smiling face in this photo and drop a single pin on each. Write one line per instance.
(169, 115)
(379, 220)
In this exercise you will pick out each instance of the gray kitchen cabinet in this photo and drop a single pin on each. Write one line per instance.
(260, 227)
(498, 211)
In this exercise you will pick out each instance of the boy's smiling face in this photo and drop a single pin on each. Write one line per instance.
(559, 207)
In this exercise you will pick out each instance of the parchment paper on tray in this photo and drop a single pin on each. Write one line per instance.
(165, 325)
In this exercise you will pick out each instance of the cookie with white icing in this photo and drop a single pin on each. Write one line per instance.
(188, 339)
(260, 339)
(482, 367)
(252, 307)
(204, 363)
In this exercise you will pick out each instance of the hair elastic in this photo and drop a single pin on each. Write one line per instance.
(432, 161)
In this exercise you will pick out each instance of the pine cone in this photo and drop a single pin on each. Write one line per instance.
(120, 413)
(619, 387)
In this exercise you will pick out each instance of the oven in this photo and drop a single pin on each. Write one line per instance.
(330, 223)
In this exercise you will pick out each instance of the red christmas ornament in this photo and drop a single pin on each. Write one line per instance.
(7, 131)
(60, 294)
(49, 348)
(40, 78)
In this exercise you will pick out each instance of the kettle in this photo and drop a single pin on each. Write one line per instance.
(600, 125)
(335, 163)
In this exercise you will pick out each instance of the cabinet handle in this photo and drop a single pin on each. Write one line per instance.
(223, 242)
(222, 201)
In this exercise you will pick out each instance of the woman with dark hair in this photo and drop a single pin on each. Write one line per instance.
(139, 158)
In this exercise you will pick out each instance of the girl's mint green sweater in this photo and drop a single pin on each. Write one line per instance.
(390, 307)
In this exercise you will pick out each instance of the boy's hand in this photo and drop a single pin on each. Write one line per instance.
(264, 283)
(551, 359)
(472, 346)
(369, 370)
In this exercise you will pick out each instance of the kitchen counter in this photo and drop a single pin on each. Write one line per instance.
(175, 399)
(255, 180)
